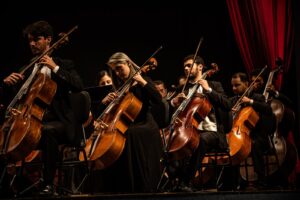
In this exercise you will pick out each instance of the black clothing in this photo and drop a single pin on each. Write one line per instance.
(59, 123)
(209, 139)
(138, 168)
(264, 127)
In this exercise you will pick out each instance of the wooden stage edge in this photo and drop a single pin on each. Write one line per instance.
(205, 194)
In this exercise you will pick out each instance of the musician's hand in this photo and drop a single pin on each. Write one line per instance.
(13, 78)
(204, 84)
(98, 125)
(234, 110)
(271, 89)
(247, 100)
(176, 101)
(48, 61)
(139, 79)
(109, 98)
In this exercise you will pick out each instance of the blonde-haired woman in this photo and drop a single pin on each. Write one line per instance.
(138, 168)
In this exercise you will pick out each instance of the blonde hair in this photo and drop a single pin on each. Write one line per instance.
(120, 57)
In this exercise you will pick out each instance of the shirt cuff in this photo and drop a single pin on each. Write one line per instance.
(209, 90)
(251, 101)
(56, 68)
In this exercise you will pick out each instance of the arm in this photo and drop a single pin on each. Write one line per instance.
(216, 94)
(66, 76)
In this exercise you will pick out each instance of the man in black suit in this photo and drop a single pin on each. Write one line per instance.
(59, 124)
(211, 128)
(264, 126)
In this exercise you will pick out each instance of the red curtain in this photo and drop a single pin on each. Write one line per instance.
(264, 31)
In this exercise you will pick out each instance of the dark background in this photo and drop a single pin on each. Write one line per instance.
(137, 30)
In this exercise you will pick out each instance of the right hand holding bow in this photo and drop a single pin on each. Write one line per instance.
(13, 78)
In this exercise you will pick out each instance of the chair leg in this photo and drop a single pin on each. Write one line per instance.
(73, 188)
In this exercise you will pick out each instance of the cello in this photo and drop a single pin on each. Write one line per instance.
(244, 120)
(21, 131)
(106, 143)
(182, 136)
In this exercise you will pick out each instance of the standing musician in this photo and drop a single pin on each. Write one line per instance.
(211, 129)
(285, 116)
(138, 168)
(58, 124)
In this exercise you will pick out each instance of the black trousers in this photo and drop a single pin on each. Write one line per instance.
(208, 140)
(53, 134)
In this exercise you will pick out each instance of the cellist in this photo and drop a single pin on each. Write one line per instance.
(213, 127)
(58, 124)
(138, 167)
(258, 135)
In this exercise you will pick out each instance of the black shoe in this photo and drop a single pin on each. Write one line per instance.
(48, 190)
(182, 187)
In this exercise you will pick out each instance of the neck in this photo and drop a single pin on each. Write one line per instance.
(198, 77)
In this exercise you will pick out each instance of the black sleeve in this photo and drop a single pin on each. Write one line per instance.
(67, 77)
(260, 106)
(152, 92)
(219, 97)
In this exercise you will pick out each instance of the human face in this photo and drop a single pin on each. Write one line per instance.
(105, 80)
(238, 87)
(162, 90)
(258, 84)
(121, 69)
(195, 70)
(38, 45)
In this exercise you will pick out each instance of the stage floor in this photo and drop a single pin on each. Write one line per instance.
(204, 194)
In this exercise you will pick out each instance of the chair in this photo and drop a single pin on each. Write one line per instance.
(80, 104)
(271, 163)
(69, 154)
(213, 165)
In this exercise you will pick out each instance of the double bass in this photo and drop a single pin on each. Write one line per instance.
(106, 143)
(21, 130)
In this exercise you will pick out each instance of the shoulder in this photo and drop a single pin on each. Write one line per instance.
(64, 63)
(215, 85)
(258, 97)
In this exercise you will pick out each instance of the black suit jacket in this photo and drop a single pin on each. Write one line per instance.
(68, 81)
(266, 123)
(223, 118)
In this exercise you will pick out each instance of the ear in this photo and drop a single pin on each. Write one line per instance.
(49, 40)
(200, 66)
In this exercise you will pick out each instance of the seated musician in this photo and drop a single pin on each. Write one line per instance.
(58, 124)
(211, 129)
(138, 168)
(161, 113)
(265, 124)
